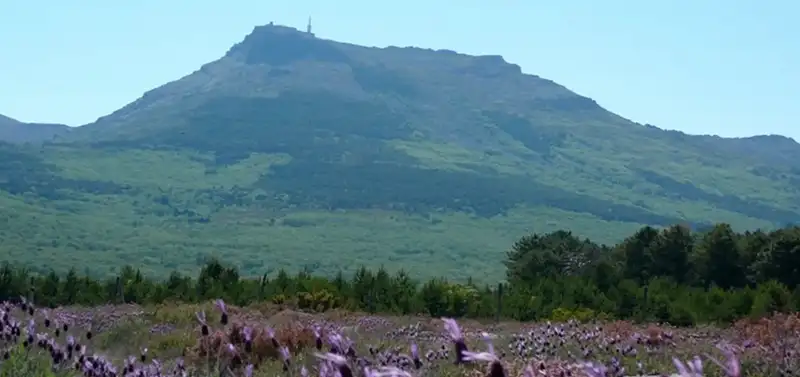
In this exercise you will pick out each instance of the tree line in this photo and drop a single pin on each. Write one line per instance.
(671, 275)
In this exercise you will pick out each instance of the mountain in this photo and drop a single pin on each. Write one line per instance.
(296, 151)
(14, 131)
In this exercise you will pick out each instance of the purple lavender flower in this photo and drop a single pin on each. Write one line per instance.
(415, 356)
(528, 371)
(454, 332)
(496, 368)
(247, 333)
(595, 370)
(692, 368)
(335, 340)
(180, 365)
(389, 372)
(271, 336)
(487, 338)
(236, 359)
(201, 317)
(317, 338)
(223, 311)
(286, 356)
(337, 360)
(731, 366)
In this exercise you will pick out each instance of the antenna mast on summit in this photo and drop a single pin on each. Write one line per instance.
(308, 28)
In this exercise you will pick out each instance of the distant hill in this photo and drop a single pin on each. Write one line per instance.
(296, 151)
(14, 131)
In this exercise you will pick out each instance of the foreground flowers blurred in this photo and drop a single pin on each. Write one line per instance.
(239, 347)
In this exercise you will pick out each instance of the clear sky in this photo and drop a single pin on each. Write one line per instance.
(701, 66)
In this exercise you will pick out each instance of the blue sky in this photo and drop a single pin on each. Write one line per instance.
(716, 67)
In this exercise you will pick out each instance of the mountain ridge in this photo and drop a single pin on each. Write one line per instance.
(290, 147)
(14, 131)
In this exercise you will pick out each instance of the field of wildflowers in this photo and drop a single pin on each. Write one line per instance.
(215, 339)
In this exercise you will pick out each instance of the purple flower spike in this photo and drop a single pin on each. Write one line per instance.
(286, 358)
(595, 370)
(692, 368)
(339, 361)
(731, 366)
(451, 326)
(415, 356)
(488, 339)
(237, 359)
(317, 338)
(332, 358)
(271, 336)
(479, 356)
(390, 372)
(247, 333)
(221, 306)
(223, 309)
(528, 372)
(201, 317)
(336, 343)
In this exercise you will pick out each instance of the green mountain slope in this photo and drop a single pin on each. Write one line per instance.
(294, 151)
(14, 131)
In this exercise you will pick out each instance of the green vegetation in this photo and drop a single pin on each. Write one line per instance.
(301, 153)
(672, 275)
(12, 130)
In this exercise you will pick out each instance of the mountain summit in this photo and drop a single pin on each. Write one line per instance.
(292, 150)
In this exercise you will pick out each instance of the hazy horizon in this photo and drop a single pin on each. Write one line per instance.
(713, 68)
